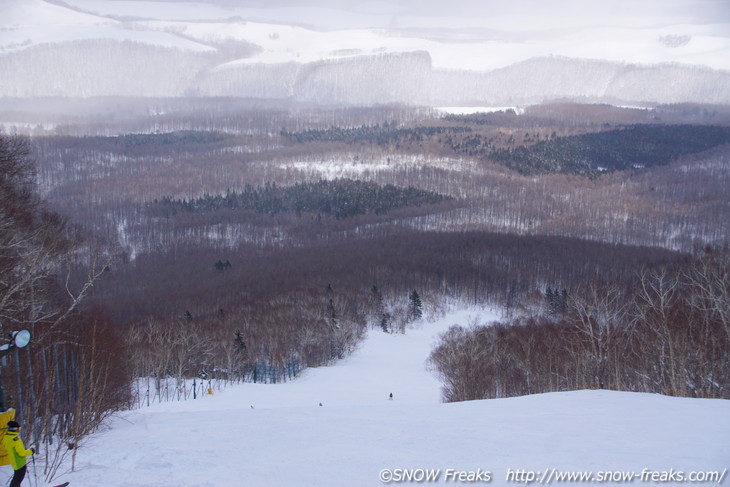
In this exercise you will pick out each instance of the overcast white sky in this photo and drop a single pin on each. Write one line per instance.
(533, 13)
(619, 11)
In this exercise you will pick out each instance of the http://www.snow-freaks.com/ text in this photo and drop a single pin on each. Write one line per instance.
(548, 476)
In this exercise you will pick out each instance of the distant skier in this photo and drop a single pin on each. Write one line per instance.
(390, 397)
(16, 452)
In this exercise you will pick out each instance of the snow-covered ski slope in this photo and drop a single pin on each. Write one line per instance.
(358, 434)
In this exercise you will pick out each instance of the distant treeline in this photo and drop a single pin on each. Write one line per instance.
(501, 117)
(175, 137)
(631, 147)
(384, 134)
(340, 198)
(478, 267)
(636, 147)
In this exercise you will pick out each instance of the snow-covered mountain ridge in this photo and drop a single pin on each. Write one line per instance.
(85, 48)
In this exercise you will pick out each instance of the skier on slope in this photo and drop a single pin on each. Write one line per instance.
(17, 452)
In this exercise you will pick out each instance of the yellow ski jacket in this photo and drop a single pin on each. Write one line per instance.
(16, 449)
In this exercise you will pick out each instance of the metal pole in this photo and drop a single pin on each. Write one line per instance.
(35, 472)
(19, 400)
(2, 391)
(3, 361)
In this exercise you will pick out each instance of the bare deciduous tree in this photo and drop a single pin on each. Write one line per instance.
(598, 314)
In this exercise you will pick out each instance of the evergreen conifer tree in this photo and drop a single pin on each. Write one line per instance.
(380, 312)
(415, 308)
(239, 344)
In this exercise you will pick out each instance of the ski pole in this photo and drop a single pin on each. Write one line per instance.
(35, 472)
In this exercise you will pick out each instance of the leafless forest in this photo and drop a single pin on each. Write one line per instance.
(154, 264)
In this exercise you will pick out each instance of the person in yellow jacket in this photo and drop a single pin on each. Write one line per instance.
(17, 452)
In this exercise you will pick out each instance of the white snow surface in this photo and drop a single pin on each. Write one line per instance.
(279, 435)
